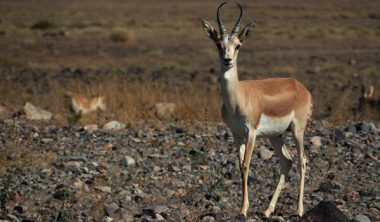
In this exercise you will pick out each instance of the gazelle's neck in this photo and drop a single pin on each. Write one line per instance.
(230, 84)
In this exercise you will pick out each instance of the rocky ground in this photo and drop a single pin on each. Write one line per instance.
(181, 171)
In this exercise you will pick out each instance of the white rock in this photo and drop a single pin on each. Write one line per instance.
(113, 126)
(165, 110)
(128, 161)
(208, 219)
(316, 141)
(107, 219)
(105, 189)
(265, 154)
(91, 127)
(35, 113)
(159, 217)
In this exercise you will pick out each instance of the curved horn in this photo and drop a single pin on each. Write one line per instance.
(235, 30)
(220, 23)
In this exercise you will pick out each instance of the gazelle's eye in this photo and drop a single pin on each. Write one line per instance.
(238, 47)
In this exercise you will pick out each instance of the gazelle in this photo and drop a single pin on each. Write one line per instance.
(260, 108)
(83, 105)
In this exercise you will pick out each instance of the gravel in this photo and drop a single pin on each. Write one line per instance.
(176, 172)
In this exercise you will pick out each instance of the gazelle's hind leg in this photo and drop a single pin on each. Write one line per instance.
(285, 163)
(298, 128)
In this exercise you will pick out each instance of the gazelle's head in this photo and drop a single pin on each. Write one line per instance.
(228, 44)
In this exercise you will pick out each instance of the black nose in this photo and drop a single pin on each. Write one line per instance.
(227, 60)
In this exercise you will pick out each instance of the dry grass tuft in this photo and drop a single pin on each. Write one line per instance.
(122, 35)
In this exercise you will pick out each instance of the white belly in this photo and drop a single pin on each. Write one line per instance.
(273, 126)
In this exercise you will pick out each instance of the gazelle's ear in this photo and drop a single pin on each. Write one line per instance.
(245, 32)
(209, 30)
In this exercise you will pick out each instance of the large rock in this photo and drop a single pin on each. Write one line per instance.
(35, 113)
(324, 211)
(361, 218)
(165, 110)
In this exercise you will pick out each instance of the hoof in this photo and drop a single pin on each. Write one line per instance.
(299, 212)
(267, 213)
(241, 217)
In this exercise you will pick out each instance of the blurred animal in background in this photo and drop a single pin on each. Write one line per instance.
(82, 104)
(369, 97)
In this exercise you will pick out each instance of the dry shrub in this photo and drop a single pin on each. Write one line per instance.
(122, 35)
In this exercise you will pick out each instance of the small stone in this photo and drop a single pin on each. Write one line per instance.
(159, 217)
(136, 140)
(35, 113)
(105, 189)
(128, 161)
(91, 127)
(178, 183)
(93, 166)
(181, 144)
(361, 218)
(173, 168)
(114, 126)
(107, 219)
(78, 184)
(265, 154)
(339, 135)
(316, 141)
(47, 140)
(187, 167)
(352, 129)
(208, 219)
(77, 158)
(160, 209)
(329, 187)
(110, 209)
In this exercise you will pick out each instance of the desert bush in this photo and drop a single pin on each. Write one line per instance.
(43, 25)
(122, 35)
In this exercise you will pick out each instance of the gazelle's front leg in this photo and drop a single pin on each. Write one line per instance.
(244, 169)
